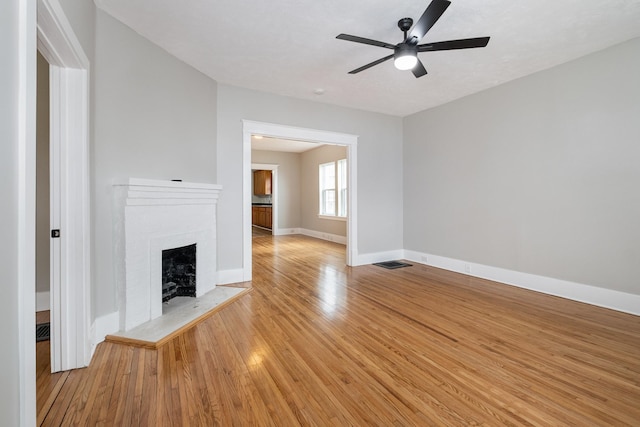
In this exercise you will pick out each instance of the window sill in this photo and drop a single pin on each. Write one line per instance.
(333, 218)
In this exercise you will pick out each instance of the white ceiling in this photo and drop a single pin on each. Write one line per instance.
(278, 144)
(288, 47)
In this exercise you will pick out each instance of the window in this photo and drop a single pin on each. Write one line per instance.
(333, 188)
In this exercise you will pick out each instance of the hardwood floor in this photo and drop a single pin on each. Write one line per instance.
(259, 232)
(319, 343)
(42, 317)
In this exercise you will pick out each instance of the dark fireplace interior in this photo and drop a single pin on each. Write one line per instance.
(179, 272)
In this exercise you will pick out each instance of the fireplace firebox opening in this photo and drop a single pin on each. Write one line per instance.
(179, 272)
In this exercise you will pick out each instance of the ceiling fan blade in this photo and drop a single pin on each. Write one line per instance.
(364, 67)
(430, 16)
(454, 44)
(419, 69)
(362, 40)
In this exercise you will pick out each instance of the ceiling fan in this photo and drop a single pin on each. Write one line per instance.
(405, 53)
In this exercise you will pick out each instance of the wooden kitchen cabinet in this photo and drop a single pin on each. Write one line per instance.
(262, 183)
(261, 216)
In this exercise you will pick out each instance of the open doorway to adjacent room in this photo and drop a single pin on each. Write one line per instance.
(298, 188)
(292, 158)
(43, 274)
(65, 226)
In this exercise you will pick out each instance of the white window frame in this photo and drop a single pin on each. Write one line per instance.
(339, 184)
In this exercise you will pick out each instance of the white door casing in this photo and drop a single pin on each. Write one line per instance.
(24, 15)
(249, 128)
(69, 169)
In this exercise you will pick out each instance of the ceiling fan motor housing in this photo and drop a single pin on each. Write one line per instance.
(404, 49)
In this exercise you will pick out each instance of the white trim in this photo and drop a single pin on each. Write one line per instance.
(323, 236)
(298, 133)
(286, 231)
(69, 132)
(56, 40)
(608, 298)
(364, 259)
(352, 203)
(43, 301)
(301, 134)
(145, 188)
(333, 218)
(26, 178)
(274, 192)
(228, 277)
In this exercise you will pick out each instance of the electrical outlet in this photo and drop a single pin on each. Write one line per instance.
(467, 268)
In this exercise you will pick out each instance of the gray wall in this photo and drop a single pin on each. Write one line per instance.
(42, 177)
(379, 150)
(288, 190)
(310, 160)
(540, 175)
(81, 15)
(9, 303)
(155, 117)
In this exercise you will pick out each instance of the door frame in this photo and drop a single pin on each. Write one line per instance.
(274, 192)
(26, 197)
(274, 130)
(69, 186)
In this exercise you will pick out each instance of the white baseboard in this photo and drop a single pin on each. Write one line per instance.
(286, 231)
(364, 259)
(227, 277)
(92, 338)
(43, 301)
(608, 298)
(105, 325)
(323, 236)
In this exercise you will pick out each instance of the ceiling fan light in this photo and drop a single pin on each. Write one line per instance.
(405, 62)
(405, 56)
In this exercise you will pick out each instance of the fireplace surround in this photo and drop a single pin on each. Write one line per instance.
(152, 216)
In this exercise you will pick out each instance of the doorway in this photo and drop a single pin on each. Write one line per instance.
(271, 201)
(70, 301)
(69, 92)
(307, 135)
(42, 270)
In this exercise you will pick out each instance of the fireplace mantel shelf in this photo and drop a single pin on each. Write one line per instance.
(162, 183)
(139, 191)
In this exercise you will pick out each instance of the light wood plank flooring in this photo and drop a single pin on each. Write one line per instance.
(318, 343)
(259, 232)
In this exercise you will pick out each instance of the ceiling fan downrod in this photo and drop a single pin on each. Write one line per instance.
(405, 25)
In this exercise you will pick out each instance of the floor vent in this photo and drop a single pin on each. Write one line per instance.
(42, 332)
(392, 264)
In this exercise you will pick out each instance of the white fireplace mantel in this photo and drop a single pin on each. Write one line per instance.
(151, 216)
